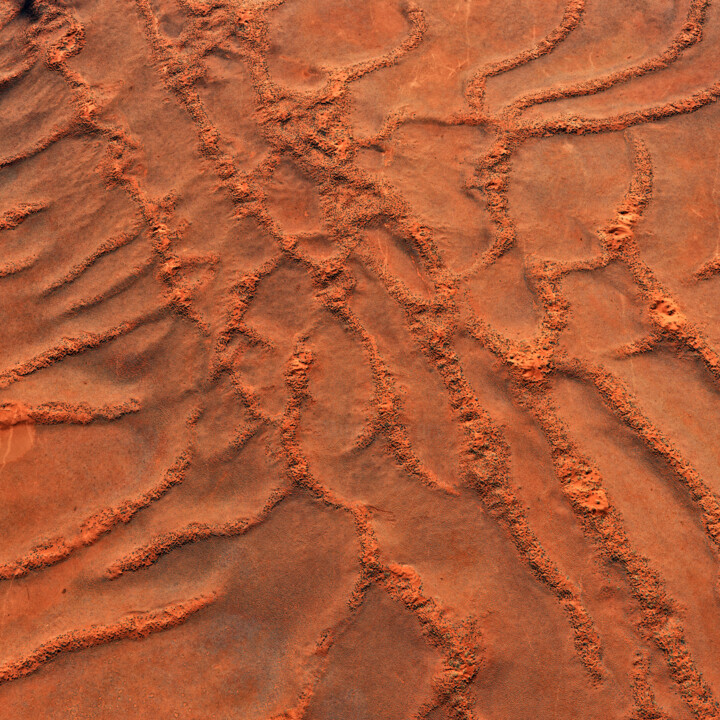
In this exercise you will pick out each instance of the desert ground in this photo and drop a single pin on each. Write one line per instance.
(359, 359)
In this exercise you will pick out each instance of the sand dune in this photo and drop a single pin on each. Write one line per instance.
(359, 360)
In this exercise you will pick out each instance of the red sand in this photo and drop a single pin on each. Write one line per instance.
(359, 359)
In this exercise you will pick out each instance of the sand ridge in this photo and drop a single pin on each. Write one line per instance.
(169, 284)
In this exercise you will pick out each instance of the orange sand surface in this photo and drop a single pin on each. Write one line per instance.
(359, 359)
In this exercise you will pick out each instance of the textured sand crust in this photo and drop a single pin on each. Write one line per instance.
(359, 359)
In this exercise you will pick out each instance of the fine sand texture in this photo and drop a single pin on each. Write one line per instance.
(359, 359)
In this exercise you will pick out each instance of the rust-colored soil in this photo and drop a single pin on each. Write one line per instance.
(359, 359)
